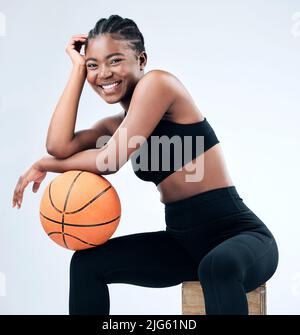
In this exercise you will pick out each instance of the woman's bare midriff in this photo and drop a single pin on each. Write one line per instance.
(206, 172)
(209, 172)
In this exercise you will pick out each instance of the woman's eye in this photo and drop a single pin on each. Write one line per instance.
(92, 66)
(116, 60)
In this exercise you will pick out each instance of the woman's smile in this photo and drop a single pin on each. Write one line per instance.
(111, 88)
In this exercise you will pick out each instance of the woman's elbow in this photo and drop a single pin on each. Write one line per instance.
(60, 154)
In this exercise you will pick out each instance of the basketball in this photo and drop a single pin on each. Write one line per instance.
(80, 210)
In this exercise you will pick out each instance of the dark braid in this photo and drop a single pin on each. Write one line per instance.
(120, 29)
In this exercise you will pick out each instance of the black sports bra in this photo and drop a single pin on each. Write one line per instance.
(170, 146)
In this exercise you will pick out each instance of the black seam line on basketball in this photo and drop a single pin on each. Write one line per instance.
(70, 189)
(63, 230)
(65, 205)
(52, 203)
(49, 192)
(89, 202)
(81, 225)
(77, 210)
(77, 238)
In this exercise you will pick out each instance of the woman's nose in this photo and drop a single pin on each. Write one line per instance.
(104, 72)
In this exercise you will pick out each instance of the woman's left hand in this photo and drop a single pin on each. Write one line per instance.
(34, 174)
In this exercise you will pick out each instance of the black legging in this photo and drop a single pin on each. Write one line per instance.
(212, 237)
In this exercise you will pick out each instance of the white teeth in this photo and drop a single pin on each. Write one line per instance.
(111, 85)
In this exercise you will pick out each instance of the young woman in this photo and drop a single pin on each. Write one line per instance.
(210, 236)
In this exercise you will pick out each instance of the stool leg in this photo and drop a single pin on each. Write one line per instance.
(257, 301)
(192, 298)
(193, 302)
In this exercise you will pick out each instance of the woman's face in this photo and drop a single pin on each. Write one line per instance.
(109, 61)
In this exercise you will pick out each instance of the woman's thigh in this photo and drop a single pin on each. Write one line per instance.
(149, 259)
(250, 257)
(265, 259)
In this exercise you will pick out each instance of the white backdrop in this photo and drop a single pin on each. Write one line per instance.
(240, 62)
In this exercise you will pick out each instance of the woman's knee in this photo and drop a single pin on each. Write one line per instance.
(93, 261)
(78, 262)
(219, 266)
(82, 262)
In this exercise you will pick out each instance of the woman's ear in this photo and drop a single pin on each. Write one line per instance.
(143, 60)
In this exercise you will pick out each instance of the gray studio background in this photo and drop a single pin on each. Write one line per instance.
(240, 62)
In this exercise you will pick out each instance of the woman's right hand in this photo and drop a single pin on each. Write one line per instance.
(74, 47)
(36, 175)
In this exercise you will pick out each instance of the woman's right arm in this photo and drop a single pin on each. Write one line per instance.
(61, 141)
(62, 125)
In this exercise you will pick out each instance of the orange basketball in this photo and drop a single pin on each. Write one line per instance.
(80, 210)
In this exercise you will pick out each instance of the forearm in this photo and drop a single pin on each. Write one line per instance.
(83, 161)
(62, 124)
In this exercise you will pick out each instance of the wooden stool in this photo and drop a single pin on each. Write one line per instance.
(193, 299)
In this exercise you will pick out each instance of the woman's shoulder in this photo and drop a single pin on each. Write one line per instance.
(161, 74)
(184, 108)
(171, 83)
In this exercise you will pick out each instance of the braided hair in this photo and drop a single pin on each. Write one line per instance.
(121, 29)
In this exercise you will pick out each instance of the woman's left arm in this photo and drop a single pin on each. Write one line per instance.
(84, 161)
